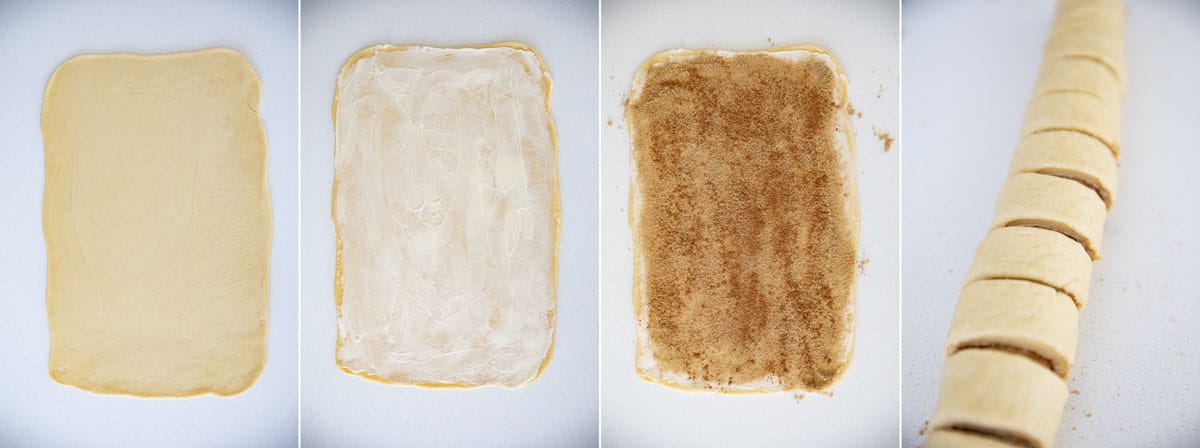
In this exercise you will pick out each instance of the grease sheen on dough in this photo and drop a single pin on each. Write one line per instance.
(447, 215)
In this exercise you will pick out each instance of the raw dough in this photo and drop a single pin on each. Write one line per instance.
(1063, 205)
(1089, 41)
(1039, 255)
(1016, 314)
(745, 220)
(446, 215)
(1071, 155)
(1074, 111)
(1002, 394)
(157, 222)
(1079, 75)
(961, 439)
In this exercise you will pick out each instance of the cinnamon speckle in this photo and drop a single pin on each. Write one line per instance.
(885, 138)
(748, 258)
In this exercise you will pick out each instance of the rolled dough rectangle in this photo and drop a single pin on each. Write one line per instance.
(157, 221)
(745, 220)
(446, 215)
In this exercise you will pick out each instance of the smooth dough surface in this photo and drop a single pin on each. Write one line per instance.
(1055, 203)
(1019, 315)
(1099, 43)
(745, 220)
(1079, 75)
(1075, 111)
(960, 439)
(1030, 253)
(446, 210)
(1000, 393)
(157, 221)
(1069, 154)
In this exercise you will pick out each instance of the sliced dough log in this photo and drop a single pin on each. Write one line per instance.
(1002, 394)
(1037, 255)
(1016, 315)
(1071, 155)
(962, 439)
(1102, 14)
(1079, 75)
(1075, 111)
(1054, 203)
(1091, 41)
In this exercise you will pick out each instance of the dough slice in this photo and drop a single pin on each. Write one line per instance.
(1016, 315)
(1079, 75)
(1098, 14)
(1071, 155)
(1054, 203)
(1006, 396)
(962, 439)
(1074, 111)
(1092, 41)
(745, 220)
(158, 224)
(1037, 255)
(446, 215)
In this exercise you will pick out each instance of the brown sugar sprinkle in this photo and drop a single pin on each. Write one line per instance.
(885, 138)
(745, 233)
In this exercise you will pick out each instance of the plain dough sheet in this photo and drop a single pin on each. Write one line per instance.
(1071, 155)
(1055, 203)
(1016, 314)
(1002, 394)
(1034, 254)
(157, 222)
(446, 214)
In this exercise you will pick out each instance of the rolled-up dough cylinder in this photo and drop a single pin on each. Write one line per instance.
(1001, 394)
(1062, 205)
(1079, 75)
(1038, 255)
(1099, 14)
(1074, 111)
(1090, 41)
(1016, 315)
(1071, 155)
(962, 439)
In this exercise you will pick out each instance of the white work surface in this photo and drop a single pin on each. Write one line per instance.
(560, 407)
(863, 410)
(37, 36)
(969, 68)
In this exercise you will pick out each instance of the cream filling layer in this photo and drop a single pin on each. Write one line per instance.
(445, 204)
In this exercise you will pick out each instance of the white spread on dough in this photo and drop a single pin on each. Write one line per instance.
(446, 209)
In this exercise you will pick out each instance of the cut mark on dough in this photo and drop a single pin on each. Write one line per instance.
(1098, 60)
(1115, 151)
(1033, 280)
(998, 435)
(1055, 227)
(1087, 181)
(1059, 367)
